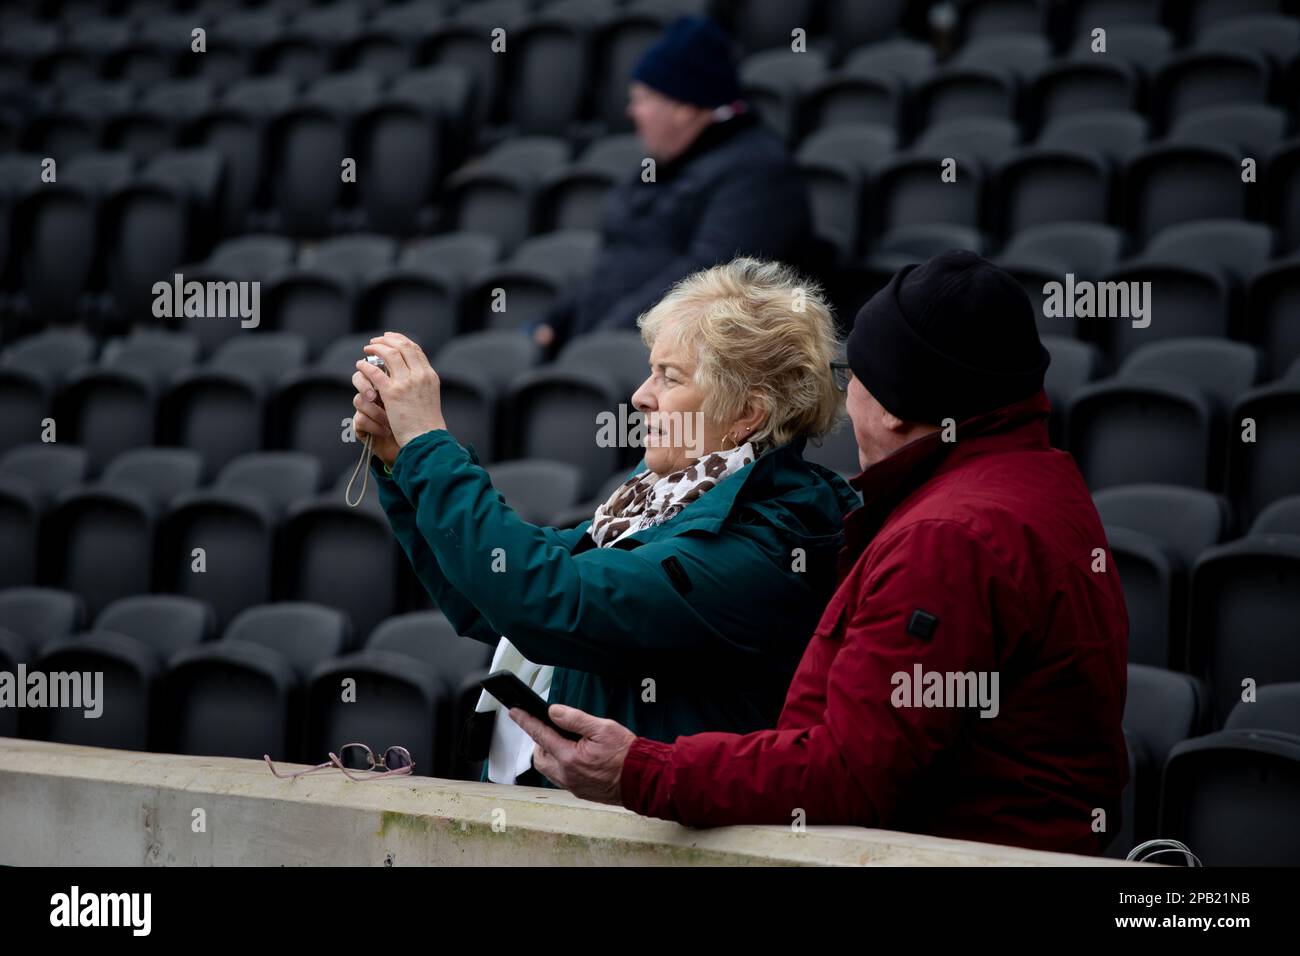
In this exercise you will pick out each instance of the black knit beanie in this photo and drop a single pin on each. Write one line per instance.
(950, 338)
(691, 63)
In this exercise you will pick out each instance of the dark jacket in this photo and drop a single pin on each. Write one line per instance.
(994, 536)
(713, 605)
(735, 191)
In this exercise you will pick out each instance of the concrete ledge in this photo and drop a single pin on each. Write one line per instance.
(63, 805)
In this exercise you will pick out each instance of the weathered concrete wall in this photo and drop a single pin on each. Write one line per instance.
(64, 805)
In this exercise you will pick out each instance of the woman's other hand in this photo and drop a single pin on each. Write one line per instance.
(371, 420)
(411, 391)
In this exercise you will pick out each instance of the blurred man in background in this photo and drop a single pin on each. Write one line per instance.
(721, 186)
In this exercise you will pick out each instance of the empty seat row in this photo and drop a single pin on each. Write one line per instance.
(898, 83)
(286, 679)
(257, 392)
(1226, 794)
(973, 173)
(1201, 600)
(269, 526)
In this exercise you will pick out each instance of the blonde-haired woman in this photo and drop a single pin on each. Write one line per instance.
(684, 605)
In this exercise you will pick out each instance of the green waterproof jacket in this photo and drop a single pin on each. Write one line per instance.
(695, 624)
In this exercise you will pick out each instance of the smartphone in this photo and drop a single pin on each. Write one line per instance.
(511, 691)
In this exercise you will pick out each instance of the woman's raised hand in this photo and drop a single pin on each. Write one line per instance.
(411, 391)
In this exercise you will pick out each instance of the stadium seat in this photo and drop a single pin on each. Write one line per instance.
(341, 557)
(1114, 134)
(555, 416)
(622, 354)
(457, 256)
(1196, 79)
(160, 219)
(31, 371)
(234, 524)
(402, 135)
(764, 24)
(1169, 182)
(1272, 313)
(1282, 197)
(521, 290)
(308, 143)
(1162, 709)
(1161, 419)
(459, 41)
(111, 407)
(775, 83)
(157, 121)
(538, 489)
(1275, 709)
(422, 304)
(56, 226)
(123, 679)
(133, 637)
(573, 196)
(1155, 534)
(1086, 81)
(1264, 428)
(241, 696)
(1048, 252)
(36, 616)
(1197, 271)
(1044, 184)
(499, 193)
(550, 67)
(1229, 796)
(837, 164)
(236, 127)
(1245, 616)
(1074, 364)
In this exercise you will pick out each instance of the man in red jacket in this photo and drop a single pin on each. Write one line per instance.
(968, 677)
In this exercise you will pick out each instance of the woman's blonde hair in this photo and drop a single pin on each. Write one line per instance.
(755, 328)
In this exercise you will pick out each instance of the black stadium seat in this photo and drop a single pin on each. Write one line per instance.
(217, 544)
(1276, 707)
(1245, 616)
(1156, 533)
(241, 696)
(39, 615)
(1162, 709)
(1230, 795)
(1163, 418)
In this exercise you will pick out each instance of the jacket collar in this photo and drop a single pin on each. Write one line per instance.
(770, 474)
(885, 484)
(711, 137)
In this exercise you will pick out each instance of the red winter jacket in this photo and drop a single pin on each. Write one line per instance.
(979, 555)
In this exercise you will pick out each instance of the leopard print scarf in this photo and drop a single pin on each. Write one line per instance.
(648, 499)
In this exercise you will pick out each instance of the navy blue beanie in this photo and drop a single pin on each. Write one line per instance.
(692, 63)
(953, 337)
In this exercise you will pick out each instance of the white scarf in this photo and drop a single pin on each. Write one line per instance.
(644, 500)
